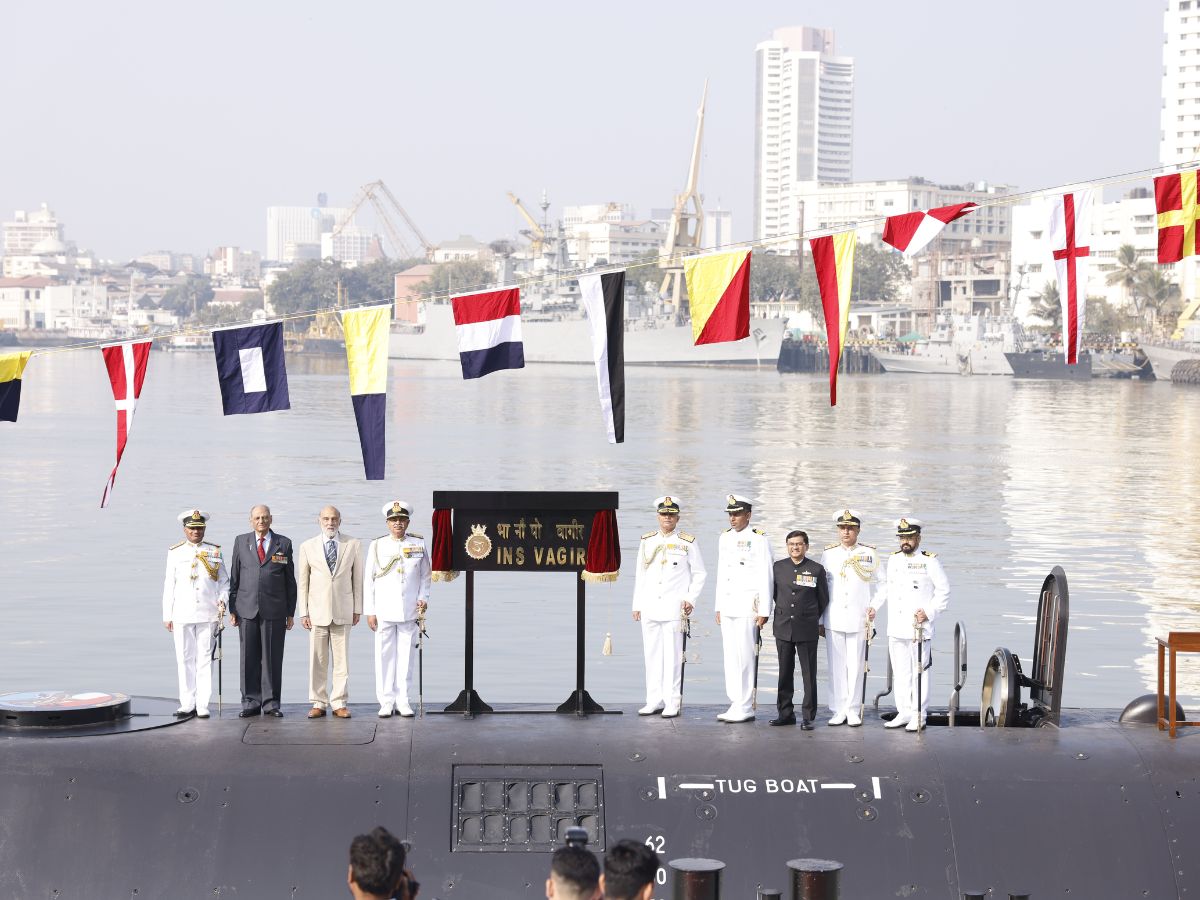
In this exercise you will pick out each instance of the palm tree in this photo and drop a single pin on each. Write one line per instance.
(1048, 307)
(1129, 269)
(1160, 295)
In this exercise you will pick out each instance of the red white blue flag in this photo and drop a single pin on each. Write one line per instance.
(488, 324)
(126, 364)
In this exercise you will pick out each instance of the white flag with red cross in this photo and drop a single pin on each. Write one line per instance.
(1070, 235)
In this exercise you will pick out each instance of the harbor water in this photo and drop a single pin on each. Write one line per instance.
(1010, 476)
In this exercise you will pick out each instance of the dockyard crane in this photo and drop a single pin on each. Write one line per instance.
(376, 192)
(535, 232)
(687, 225)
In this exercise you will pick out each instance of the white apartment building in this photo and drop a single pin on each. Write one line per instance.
(1180, 117)
(294, 232)
(718, 229)
(609, 234)
(1130, 220)
(804, 121)
(1179, 135)
(232, 265)
(28, 229)
(37, 303)
(987, 230)
(463, 248)
(350, 245)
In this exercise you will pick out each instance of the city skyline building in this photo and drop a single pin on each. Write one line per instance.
(294, 232)
(804, 122)
(1179, 136)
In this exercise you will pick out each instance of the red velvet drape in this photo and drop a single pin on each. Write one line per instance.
(604, 548)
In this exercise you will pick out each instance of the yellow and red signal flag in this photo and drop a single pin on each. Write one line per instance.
(1175, 201)
(833, 259)
(718, 287)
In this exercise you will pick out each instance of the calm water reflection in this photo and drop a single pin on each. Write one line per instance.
(1011, 477)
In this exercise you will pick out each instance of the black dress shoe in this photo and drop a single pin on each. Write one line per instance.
(806, 725)
(248, 713)
(790, 720)
(277, 713)
(182, 713)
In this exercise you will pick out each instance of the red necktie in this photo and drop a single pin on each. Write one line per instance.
(262, 556)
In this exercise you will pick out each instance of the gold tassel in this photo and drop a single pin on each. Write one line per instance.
(607, 651)
(598, 577)
(444, 576)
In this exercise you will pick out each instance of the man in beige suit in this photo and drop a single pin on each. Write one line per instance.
(329, 587)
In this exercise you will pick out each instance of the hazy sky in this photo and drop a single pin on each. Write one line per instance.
(149, 125)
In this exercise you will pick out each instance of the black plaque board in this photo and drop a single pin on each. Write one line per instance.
(522, 531)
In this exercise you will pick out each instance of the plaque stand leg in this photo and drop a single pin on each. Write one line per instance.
(580, 702)
(468, 702)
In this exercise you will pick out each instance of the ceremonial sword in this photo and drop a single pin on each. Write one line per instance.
(421, 635)
(218, 654)
(757, 654)
(685, 625)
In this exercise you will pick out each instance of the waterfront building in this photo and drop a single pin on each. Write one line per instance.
(233, 266)
(462, 249)
(1179, 134)
(294, 232)
(804, 122)
(718, 228)
(29, 229)
(610, 234)
(1131, 220)
(352, 244)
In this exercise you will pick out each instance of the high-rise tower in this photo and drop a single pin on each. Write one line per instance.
(804, 122)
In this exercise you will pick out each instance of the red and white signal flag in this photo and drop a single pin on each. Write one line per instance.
(126, 364)
(911, 232)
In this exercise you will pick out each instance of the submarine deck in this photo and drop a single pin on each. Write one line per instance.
(266, 807)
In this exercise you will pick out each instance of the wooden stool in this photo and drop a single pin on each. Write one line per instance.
(1176, 642)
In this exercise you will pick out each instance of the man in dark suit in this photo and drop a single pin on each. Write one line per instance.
(262, 605)
(801, 595)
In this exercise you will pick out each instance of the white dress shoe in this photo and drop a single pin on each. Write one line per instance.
(201, 713)
(839, 719)
(405, 710)
(898, 722)
(385, 712)
(670, 712)
(853, 719)
(738, 717)
(650, 709)
(915, 725)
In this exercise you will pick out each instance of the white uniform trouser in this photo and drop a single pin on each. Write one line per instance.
(193, 656)
(394, 659)
(662, 643)
(903, 652)
(737, 637)
(845, 655)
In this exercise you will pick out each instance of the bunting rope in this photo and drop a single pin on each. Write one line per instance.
(675, 259)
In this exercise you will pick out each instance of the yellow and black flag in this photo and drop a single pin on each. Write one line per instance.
(11, 367)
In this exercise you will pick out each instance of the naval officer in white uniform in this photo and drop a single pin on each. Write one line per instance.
(918, 592)
(745, 587)
(667, 582)
(856, 589)
(195, 592)
(395, 593)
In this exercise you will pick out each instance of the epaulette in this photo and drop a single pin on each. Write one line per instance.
(214, 546)
(684, 536)
(894, 552)
(759, 531)
(649, 534)
(727, 530)
(868, 546)
(177, 546)
(927, 553)
(382, 536)
(831, 546)
(414, 534)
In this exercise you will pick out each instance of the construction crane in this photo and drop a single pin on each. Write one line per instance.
(535, 232)
(687, 225)
(376, 192)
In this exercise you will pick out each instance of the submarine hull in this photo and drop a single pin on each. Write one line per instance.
(267, 807)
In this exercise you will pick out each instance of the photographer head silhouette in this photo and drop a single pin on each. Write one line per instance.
(629, 870)
(574, 870)
(377, 868)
